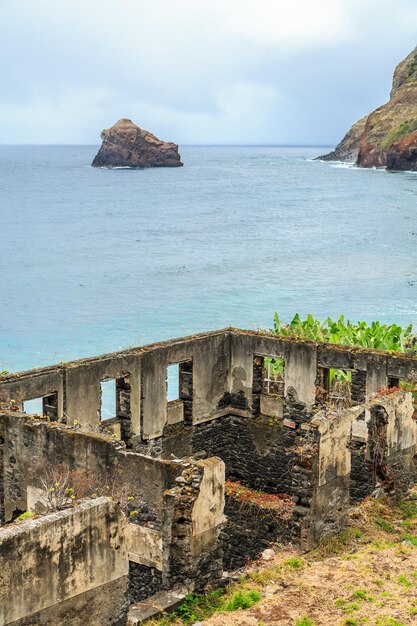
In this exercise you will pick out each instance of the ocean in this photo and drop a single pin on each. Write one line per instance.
(97, 260)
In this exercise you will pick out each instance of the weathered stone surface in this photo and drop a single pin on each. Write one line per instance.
(163, 601)
(127, 145)
(249, 533)
(177, 535)
(55, 559)
(386, 137)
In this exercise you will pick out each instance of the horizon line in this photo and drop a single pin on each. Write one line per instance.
(185, 145)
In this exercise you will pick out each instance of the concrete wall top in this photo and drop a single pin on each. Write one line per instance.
(48, 560)
(350, 356)
(222, 363)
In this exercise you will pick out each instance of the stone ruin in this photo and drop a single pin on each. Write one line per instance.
(161, 497)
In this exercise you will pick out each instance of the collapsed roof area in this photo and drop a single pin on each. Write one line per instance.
(157, 468)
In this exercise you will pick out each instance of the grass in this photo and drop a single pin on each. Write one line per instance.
(408, 508)
(382, 530)
(384, 525)
(404, 129)
(388, 621)
(305, 621)
(199, 606)
(242, 600)
(25, 515)
(337, 545)
(346, 606)
(294, 563)
(410, 538)
(362, 594)
(403, 580)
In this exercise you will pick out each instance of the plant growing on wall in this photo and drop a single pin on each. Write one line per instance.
(388, 337)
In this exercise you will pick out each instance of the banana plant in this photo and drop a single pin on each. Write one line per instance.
(388, 337)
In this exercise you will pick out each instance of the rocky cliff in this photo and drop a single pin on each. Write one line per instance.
(127, 145)
(386, 137)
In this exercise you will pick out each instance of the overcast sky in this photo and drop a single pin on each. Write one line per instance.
(197, 71)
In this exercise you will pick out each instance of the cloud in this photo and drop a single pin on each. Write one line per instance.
(50, 118)
(206, 71)
(298, 23)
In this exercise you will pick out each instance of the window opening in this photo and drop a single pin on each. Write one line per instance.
(34, 406)
(108, 399)
(273, 376)
(173, 382)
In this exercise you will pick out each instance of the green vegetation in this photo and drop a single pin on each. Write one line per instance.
(199, 606)
(408, 508)
(404, 129)
(346, 606)
(294, 563)
(276, 366)
(25, 515)
(403, 580)
(384, 525)
(362, 594)
(410, 538)
(389, 337)
(241, 600)
(305, 621)
(375, 539)
(388, 621)
(412, 68)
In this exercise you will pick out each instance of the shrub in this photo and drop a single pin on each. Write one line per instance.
(390, 337)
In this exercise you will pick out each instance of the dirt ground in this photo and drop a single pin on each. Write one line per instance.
(367, 576)
(372, 586)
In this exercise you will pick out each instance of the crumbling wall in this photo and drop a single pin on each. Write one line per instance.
(56, 569)
(388, 459)
(30, 447)
(196, 510)
(174, 508)
(253, 525)
(222, 411)
(331, 466)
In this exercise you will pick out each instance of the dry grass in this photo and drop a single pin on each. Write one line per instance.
(367, 576)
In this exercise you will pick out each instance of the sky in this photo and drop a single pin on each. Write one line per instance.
(195, 71)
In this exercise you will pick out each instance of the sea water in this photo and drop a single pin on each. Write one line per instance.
(94, 260)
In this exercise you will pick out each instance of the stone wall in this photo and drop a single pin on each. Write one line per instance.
(30, 447)
(143, 582)
(55, 569)
(250, 529)
(174, 508)
(344, 472)
(216, 373)
(222, 411)
(140, 381)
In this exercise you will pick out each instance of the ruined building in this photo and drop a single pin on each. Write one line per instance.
(143, 503)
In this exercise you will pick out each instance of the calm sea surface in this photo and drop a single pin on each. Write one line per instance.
(96, 260)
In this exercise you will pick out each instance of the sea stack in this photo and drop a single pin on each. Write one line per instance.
(386, 137)
(127, 145)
